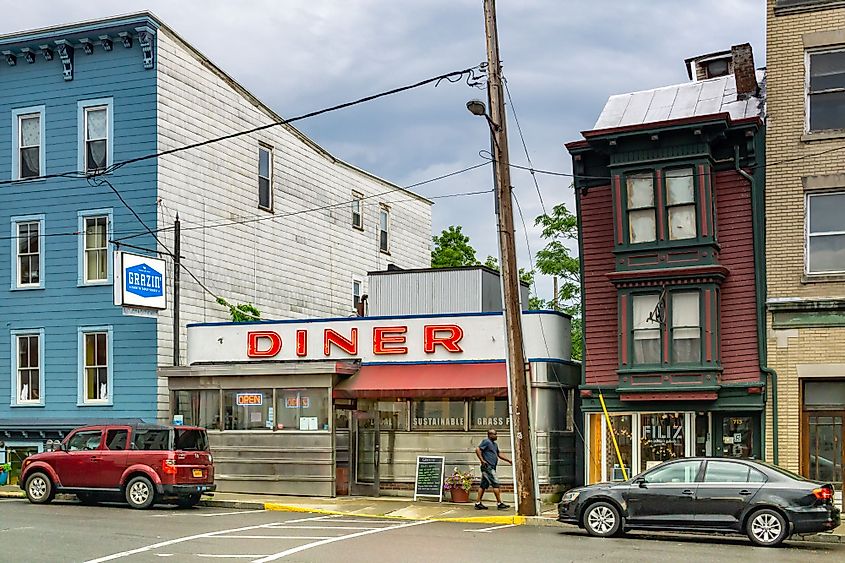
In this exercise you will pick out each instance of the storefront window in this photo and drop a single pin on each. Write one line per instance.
(662, 438)
(489, 413)
(622, 429)
(440, 414)
(302, 409)
(198, 408)
(248, 410)
(393, 415)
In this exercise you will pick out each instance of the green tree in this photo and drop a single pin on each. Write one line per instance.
(452, 249)
(560, 227)
(242, 312)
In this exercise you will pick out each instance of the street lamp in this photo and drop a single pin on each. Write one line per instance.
(477, 107)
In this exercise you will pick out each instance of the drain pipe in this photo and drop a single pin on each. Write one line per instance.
(761, 324)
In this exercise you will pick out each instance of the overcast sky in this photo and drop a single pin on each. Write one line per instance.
(562, 58)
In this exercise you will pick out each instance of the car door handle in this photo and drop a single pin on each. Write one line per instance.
(96, 458)
(745, 492)
(688, 492)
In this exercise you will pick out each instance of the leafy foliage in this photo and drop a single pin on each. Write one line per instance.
(458, 480)
(242, 312)
(452, 249)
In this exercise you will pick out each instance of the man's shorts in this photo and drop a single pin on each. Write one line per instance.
(488, 478)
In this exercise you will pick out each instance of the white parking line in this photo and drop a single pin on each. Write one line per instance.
(227, 556)
(283, 527)
(274, 537)
(158, 545)
(494, 528)
(226, 513)
(300, 548)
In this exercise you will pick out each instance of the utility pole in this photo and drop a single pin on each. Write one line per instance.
(177, 271)
(520, 423)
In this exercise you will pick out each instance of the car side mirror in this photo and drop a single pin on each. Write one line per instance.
(640, 482)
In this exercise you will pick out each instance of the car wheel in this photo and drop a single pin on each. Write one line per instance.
(188, 501)
(140, 492)
(39, 488)
(766, 527)
(87, 499)
(603, 520)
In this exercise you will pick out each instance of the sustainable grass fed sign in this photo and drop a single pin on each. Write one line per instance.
(140, 281)
(429, 338)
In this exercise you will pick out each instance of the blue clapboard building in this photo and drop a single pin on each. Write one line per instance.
(78, 99)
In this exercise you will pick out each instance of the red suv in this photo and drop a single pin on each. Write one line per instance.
(143, 463)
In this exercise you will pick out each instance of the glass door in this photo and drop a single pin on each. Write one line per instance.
(824, 446)
(736, 436)
(366, 449)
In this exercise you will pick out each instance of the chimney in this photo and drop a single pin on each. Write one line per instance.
(744, 73)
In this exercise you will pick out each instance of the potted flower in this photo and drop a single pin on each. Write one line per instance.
(5, 469)
(459, 484)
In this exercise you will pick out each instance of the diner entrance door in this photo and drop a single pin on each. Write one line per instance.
(365, 449)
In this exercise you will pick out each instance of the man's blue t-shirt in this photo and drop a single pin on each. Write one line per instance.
(489, 452)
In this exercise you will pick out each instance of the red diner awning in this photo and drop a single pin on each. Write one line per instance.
(425, 380)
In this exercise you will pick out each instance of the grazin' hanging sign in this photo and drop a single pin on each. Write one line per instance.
(140, 281)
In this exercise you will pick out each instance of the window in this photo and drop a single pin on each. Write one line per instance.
(686, 328)
(662, 438)
(116, 439)
(680, 201)
(441, 414)
(825, 232)
(95, 366)
(646, 329)
(27, 252)
(85, 440)
(680, 472)
(248, 409)
(826, 90)
(621, 428)
(198, 408)
(358, 210)
(384, 226)
(302, 409)
(265, 178)
(28, 157)
(356, 294)
(96, 131)
(489, 413)
(641, 221)
(725, 472)
(27, 361)
(95, 242)
(151, 439)
(188, 440)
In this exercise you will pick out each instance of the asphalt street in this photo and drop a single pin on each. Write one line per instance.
(68, 531)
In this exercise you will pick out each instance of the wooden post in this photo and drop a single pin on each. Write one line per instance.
(177, 266)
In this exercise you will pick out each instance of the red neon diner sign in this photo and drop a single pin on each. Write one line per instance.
(386, 340)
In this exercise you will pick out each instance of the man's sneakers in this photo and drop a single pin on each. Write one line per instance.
(479, 506)
(502, 506)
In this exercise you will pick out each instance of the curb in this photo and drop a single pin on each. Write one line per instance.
(234, 504)
(515, 520)
(12, 494)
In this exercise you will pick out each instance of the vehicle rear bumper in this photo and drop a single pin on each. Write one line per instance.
(179, 490)
(815, 519)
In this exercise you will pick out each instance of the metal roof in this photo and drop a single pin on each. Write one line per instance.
(690, 99)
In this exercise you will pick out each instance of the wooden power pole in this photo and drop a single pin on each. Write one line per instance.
(517, 372)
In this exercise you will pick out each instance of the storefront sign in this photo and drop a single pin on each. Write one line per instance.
(250, 399)
(297, 402)
(429, 477)
(140, 281)
(664, 434)
(470, 337)
(440, 422)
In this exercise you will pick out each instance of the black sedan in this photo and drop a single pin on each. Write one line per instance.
(706, 495)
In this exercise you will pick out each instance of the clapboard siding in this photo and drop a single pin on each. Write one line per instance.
(62, 306)
(289, 266)
(740, 357)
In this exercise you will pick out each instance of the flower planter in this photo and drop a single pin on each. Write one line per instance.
(459, 495)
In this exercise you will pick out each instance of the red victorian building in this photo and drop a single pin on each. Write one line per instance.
(669, 188)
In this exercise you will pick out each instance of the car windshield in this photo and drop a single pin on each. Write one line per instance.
(191, 440)
(783, 471)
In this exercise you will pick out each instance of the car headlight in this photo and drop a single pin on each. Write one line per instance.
(570, 496)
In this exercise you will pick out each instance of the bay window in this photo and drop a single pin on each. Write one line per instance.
(686, 328)
(641, 211)
(646, 329)
(680, 202)
(674, 315)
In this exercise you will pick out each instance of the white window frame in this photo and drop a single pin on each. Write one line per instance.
(82, 107)
(17, 115)
(15, 221)
(15, 399)
(358, 200)
(82, 216)
(271, 157)
(807, 56)
(82, 395)
(384, 210)
(807, 234)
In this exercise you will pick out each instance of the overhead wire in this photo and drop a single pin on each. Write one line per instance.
(524, 145)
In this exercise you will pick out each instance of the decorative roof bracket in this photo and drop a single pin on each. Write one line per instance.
(66, 55)
(145, 40)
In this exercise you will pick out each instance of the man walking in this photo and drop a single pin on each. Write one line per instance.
(489, 456)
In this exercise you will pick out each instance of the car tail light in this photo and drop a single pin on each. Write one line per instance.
(168, 466)
(823, 493)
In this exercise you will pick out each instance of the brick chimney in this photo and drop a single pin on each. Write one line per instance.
(743, 69)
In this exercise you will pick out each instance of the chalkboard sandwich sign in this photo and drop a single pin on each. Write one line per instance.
(429, 477)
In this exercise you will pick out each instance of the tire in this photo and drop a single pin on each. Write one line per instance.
(188, 501)
(603, 520)
(39, 488)
(140, 492)
(88, 499)
(766, 528)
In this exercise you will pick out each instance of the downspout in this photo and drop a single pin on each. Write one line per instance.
(760, 270)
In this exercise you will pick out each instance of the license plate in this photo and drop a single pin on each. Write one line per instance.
(197, 472)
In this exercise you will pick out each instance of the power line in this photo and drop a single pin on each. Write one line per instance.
(524, 146)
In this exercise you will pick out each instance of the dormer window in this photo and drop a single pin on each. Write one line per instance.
(716, 68)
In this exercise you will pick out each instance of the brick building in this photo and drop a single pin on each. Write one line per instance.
(671, 248)
(805, 235)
